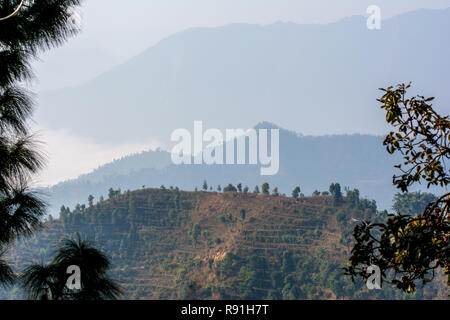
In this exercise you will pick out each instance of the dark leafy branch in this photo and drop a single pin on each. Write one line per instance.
(422, 137)
(410, 249)
(38, 25)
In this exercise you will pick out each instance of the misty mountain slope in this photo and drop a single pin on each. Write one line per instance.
(157, 159)
(313, 79)
(356, 161)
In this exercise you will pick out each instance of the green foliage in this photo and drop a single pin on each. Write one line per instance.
(413, 247)
(296, 192)
(222, 218)
(49, 281)
(353, 198)
(272, 255)
(195, 232)
(275, 192)
(287, 264)
(422, 137)
(230, 188)
(409, 249)
(7, 276)
(265, 188)
(206, 234)
(38, 26)
(335, 190)
(289, 276)
(113, 193)
(90, 200)
(412, 203)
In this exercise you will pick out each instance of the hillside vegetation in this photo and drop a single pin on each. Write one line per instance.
(170, 244)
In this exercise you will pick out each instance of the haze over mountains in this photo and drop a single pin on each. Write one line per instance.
(314, 79)
(355, 161)
(311, 79)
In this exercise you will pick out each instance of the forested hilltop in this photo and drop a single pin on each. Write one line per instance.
(171, 244)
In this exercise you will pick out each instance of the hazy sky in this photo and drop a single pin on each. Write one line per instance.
(115, 30)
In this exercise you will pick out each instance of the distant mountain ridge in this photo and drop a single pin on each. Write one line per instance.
(316, 79)
(157, 159)
(356, 161)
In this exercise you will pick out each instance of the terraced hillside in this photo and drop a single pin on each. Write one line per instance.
(170, 244)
